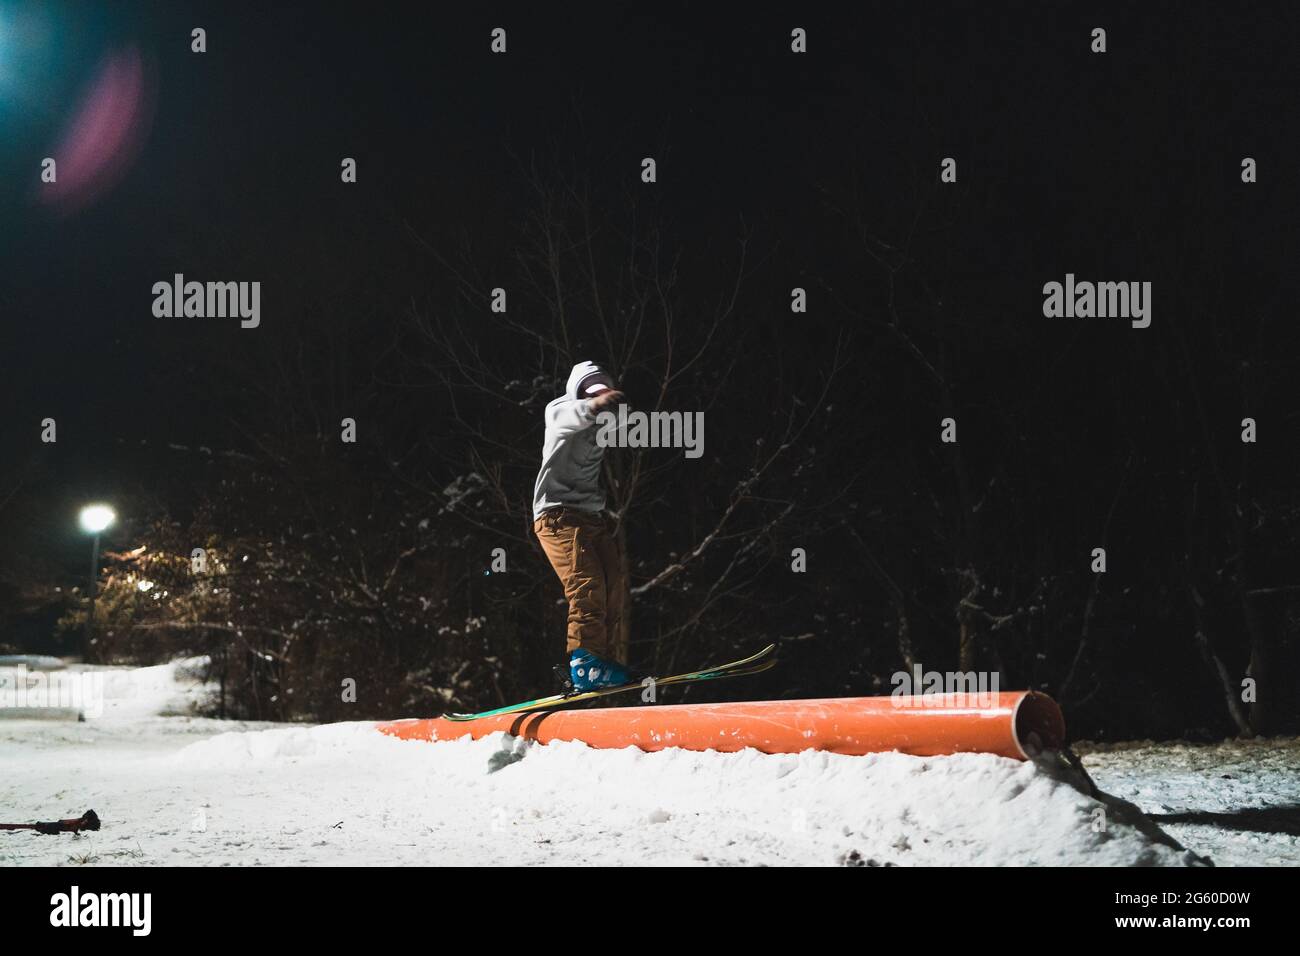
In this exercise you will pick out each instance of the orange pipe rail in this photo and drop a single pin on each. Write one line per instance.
(1013, 724)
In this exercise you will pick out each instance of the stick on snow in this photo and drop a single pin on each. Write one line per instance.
(87, 821)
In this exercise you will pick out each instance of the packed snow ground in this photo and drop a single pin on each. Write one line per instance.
(184, 790)
(1237, 802)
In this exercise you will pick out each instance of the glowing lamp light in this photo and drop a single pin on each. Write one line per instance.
(95, 518)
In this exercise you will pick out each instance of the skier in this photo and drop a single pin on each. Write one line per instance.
(576, 533)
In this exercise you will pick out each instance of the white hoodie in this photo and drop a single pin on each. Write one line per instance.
(570, 473)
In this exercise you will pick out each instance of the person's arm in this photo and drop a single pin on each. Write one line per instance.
(566, 418)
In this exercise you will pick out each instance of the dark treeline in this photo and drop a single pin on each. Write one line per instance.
(373, 561)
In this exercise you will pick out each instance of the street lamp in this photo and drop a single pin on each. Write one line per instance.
(94, 519)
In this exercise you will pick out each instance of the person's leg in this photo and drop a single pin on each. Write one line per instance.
(572, 544)
(615, 595)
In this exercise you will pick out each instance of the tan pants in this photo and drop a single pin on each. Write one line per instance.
(581, 548)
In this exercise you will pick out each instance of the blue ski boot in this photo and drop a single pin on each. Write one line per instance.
(588, 671)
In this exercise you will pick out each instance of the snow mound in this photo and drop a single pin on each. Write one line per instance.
(504, 800)
(176, 789)
(97, 692)
(236, 751)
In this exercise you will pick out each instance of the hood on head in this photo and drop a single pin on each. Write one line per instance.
(585, 377)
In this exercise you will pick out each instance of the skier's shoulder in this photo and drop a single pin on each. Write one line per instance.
(565, 406)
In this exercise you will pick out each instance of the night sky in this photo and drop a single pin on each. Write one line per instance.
(1083, 160)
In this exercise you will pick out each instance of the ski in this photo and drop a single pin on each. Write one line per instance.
(754, 664)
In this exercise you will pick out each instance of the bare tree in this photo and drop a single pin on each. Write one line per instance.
(597, 278)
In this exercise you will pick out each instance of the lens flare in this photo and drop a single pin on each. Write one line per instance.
(104, 135)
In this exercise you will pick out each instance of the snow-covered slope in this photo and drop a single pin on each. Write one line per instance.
(175, 790)
(1237, 801)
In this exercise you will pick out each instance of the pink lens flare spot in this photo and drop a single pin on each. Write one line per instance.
(103, 136)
